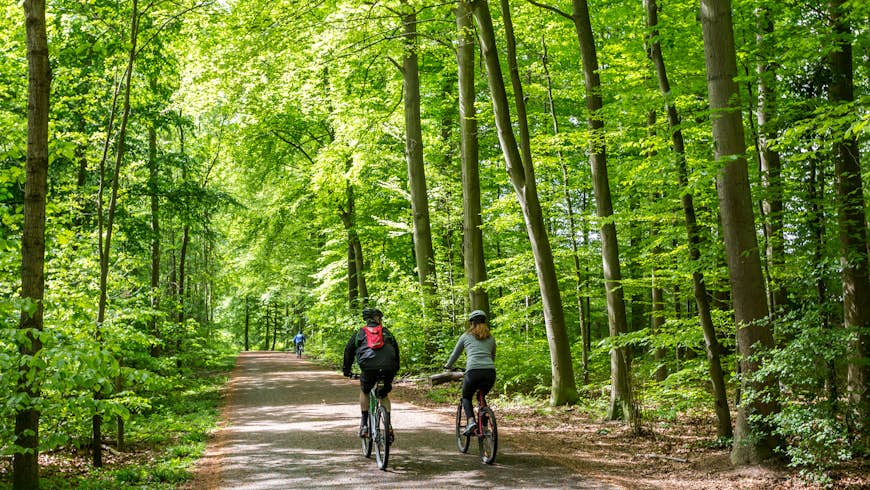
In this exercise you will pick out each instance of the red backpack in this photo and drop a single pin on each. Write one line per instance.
(374, 336)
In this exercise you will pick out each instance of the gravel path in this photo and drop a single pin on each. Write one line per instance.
(288, 423)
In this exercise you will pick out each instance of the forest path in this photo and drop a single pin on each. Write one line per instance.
(289, 423)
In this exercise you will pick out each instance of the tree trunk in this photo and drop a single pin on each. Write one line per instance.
(182, 275)
(472, 241)
(711, 342)
(852, 224)
(106, 244)
(579, 273)
(352, 289)
(25, 462)
(752, 443)
(423, 251)
(563, 390)
(621, 404)
(247, 324)
(153, 172)
(356, 280)
(771, 168)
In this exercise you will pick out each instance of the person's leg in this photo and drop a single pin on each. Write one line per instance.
(366, 382)
(486, 380)
(469, 388)
(388, 377)
(364, 402)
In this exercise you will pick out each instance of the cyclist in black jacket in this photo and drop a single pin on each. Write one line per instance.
(377, 353)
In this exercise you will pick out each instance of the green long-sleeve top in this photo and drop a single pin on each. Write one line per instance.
(479, 354)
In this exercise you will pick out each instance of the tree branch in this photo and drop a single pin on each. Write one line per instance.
(551, 9)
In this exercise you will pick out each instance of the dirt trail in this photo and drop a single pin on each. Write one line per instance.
(288, 423)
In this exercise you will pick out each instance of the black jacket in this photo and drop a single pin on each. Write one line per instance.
(386, 358)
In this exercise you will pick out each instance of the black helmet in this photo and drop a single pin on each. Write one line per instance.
(477, 316)
(371, 313)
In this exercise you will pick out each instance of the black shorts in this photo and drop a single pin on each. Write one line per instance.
(477, 380)
(368, 378)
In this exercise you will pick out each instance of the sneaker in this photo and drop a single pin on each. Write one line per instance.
(364, 431)
(392, 436)
(470, 429)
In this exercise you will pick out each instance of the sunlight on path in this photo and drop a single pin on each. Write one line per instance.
(290, 424)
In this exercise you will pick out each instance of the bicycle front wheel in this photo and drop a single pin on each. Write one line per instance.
(381, 432)
(462, 441)
(488, 441)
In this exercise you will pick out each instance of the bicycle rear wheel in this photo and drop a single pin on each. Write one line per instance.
(488, 441)
(381, 433)
(461, 440)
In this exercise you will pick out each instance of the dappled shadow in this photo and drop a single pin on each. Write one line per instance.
(291, 424)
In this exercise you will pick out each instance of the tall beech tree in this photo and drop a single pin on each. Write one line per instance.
(105, 241)
(711, 342)
(25, 462)
(423, 251)
(580, 286)
(563, 389)
(753, 442)
(770, 162)
(852, 223)
(472, 236)
(621, 404)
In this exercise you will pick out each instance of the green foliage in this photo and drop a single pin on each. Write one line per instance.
(810, 367)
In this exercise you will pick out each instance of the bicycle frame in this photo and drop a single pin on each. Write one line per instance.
(379, 429)
(485, 430)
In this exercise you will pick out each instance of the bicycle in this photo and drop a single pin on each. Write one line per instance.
(486, 430)
(299, 347)
(380, 434)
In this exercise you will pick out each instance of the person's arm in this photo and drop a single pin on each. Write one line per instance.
(349, 351)
(460, 346)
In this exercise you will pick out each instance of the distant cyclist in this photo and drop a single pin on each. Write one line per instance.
(299, 342)
(376, 351)
(479, 347)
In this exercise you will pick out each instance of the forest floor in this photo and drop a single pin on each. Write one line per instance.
(677, 455)
(289, 423)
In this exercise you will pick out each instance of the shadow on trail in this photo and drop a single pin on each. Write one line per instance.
(293, 425)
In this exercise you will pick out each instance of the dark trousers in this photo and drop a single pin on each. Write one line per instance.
(476, 380)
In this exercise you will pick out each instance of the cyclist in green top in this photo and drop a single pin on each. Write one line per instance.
(479, 347)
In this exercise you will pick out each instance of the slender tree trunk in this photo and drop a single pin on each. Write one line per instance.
(711, 342)
(348, 218)
(182, 275)
(771, 168)
(423, 250)
(852, 224)
(563, 388)
(275, 323)
(579, 273)
(153, 172)
(247, 324)
(621, 403)
(25, 462)
(106, 244)
(815, 191)
(352, 289)
(752, 442)
(472, 241)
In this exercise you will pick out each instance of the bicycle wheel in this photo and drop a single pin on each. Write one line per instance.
(381, 435)
(367, 441)
(461, 440)
(488, 441)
